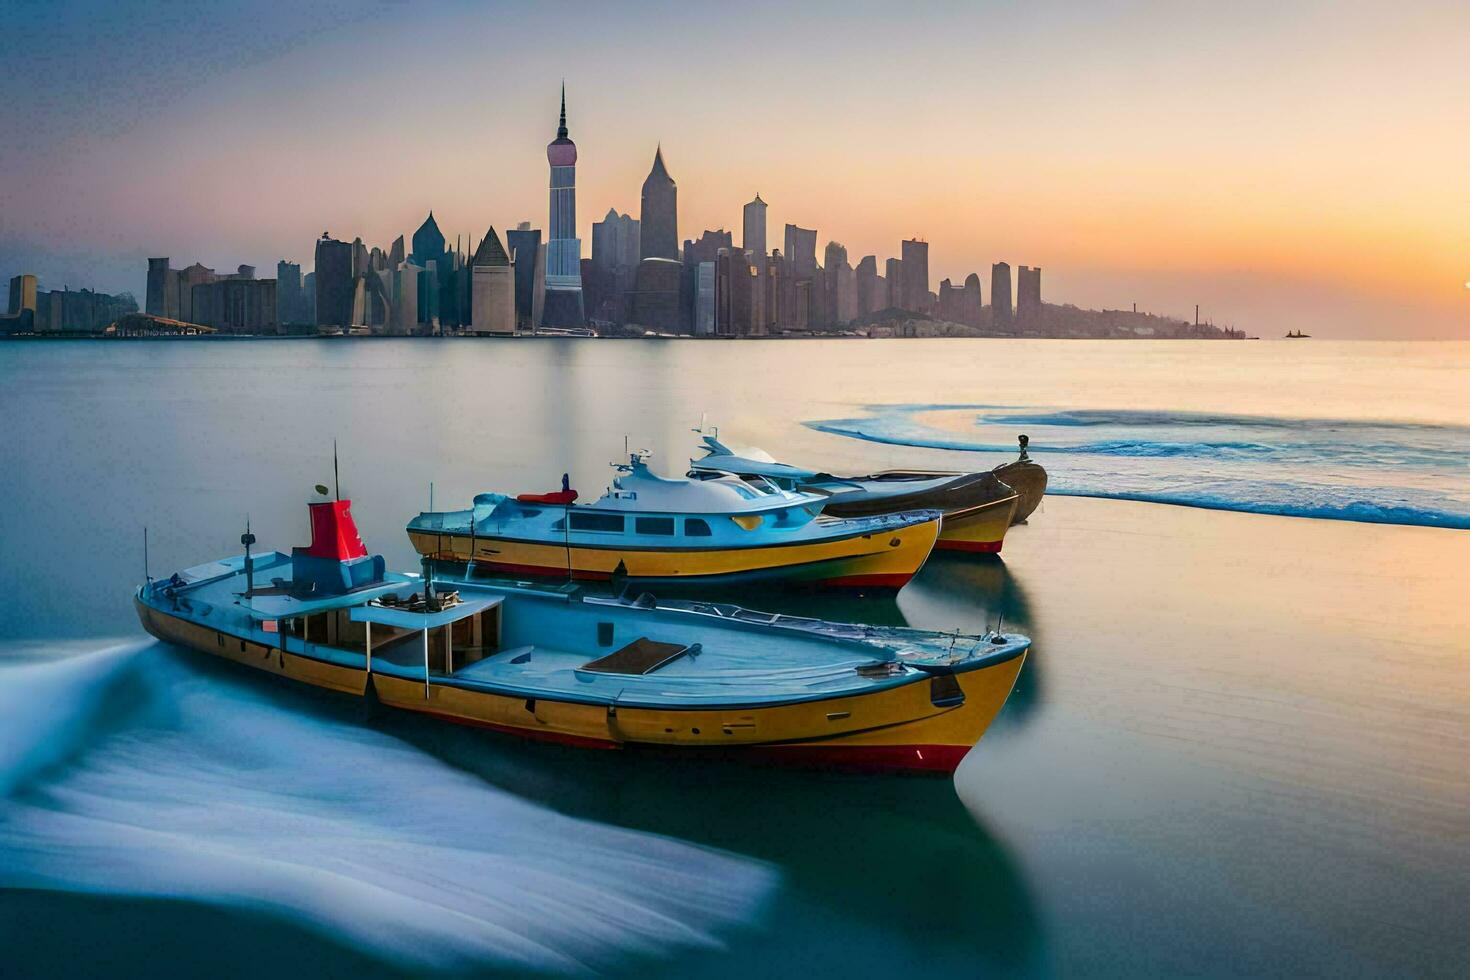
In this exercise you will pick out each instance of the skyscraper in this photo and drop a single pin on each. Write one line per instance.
(753, 239)
(334, 291)
(563, 248)
(659, 217)
(524, 244)
(1028, 296)
(867, 285)
(1000, 296)
(915, 276)
(288, 292)
(614, 261)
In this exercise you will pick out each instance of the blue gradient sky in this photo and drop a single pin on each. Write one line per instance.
(1297, 167)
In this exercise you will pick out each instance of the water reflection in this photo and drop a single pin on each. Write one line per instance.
(970, 594)
(890, 857)
(845, 845)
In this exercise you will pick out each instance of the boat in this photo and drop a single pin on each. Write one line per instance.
(556, 663)
(1027, 477)
(660, 530)
(1297, 335)
(977, 507)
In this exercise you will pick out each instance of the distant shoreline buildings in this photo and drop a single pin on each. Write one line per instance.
(638, 280)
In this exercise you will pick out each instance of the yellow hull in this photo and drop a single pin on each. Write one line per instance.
(978, 529)
(894, 728)
(886, 559)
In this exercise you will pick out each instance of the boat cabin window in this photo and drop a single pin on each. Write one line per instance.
(696, 527)
(597, 522)
(654, 525)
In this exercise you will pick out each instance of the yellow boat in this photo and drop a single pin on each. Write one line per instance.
(556, 664)
(707, 531)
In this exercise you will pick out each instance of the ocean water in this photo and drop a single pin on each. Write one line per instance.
(1384, 471)
(1237, 747)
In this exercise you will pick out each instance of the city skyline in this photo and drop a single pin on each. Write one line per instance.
(1255, 165)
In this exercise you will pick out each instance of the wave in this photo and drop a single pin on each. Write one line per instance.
(1381, 472)
(125, 772)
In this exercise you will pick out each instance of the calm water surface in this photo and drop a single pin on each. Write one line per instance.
(1239, 745)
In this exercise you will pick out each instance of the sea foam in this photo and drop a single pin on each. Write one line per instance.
(124, 771)
(1343, 469)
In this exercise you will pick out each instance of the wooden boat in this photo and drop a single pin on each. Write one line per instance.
(651, 528)
(554, 663)
(977, 507)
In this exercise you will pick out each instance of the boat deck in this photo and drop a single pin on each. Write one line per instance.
(675, 657)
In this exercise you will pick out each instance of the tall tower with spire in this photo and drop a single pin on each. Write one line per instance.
(563, 305)
(659, 219)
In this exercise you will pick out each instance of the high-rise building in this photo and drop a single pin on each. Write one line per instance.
(866, 277)
(527, 256)
(704, 297)
(738, 294)
(334, 289)
(659, 216)
(235, 304)
(1028, 297)
(893, 275)
(655, 300)
(288, 293)
(696, 281)
(22, 294)
(613, 266)
(915, 288)
(564, 302)
(160, 301)
(753, 236)
(492, 288)
(801, 251)
(1000, 296)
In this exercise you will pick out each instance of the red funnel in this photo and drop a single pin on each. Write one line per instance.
(333, 532)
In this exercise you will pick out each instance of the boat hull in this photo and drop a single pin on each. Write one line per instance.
(927, 725)
(978, 530)
(977, 507)
(881, 560)
(1028, 479)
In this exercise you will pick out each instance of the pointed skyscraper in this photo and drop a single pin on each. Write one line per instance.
(659, 219)
(563, 248)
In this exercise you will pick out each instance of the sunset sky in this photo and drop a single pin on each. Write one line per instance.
(1283, 165)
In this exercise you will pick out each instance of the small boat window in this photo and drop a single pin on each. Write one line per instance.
(654, 525)
(696, 527)
(747, 521)
(597, 522)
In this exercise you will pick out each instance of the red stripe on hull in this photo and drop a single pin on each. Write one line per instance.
(941, 759)
(973, 547)
(867, 581)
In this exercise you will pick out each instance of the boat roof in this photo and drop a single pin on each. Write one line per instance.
(218, 583)
(410, 620)
(730, 463)
(640, 489)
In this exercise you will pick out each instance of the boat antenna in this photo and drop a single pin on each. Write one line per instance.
(146, 576)
(336, 482)
(431, 496)
(1000, 622)
(247, 539)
